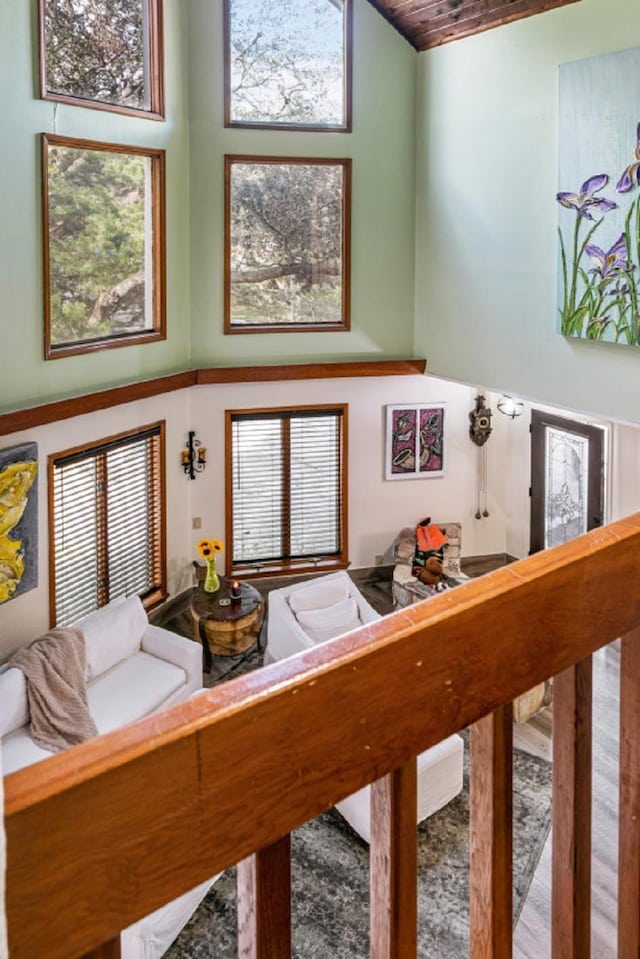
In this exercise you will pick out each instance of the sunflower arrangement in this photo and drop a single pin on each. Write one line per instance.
(208, 549)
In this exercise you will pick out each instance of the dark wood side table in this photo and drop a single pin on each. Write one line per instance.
(224, 626)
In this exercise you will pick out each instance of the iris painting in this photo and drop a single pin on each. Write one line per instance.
(599, 199)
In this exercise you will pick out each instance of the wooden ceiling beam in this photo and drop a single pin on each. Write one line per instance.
(429, 23)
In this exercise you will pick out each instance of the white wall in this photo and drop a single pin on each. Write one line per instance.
(378, 508)
(27, 616)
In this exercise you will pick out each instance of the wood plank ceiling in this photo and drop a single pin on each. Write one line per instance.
(430, 23)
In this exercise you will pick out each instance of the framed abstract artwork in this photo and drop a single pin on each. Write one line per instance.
(415, 441)
(18, 520)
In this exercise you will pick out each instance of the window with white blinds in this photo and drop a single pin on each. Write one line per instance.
(287, 487)
(107, 523)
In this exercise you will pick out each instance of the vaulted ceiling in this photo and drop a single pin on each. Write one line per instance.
(429, 23)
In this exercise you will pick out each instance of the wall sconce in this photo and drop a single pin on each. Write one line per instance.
(510, 407)
(193, 457)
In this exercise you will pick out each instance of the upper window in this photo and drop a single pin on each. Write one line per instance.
(288, 64)
(287, 244)
(106, 523)
(104, 245)
(103, 53)
(286, 483)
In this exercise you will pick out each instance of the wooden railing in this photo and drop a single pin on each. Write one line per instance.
(104, 833)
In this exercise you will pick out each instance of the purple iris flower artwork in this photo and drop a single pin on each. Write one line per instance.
(631, 176)
(586, 203)
(600, 294)
(613, 262)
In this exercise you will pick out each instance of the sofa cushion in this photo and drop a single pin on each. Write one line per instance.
(112, 633)
(132, 688)
(149, 938)
(324, 592)
(19, 749)
(14, 711)
(331, 621)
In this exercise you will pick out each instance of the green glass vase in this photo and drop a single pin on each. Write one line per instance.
(211, 581)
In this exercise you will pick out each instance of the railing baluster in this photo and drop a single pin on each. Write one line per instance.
(571, 816)
(394, 864)
(264, 903)
(629, 840)
(491, 826)
(110, 950)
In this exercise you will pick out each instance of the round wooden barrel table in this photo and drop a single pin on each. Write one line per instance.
(226, 626)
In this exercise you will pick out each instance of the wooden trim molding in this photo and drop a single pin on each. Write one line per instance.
(30, 417)
(154, 70)
(342, 325)
(154, 270)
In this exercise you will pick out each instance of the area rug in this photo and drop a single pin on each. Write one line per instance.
(330, 876)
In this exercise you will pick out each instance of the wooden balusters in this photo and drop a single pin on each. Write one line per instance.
(629, 842)
(571, 816)
(394, 864)
(264, 903)
(491, 840)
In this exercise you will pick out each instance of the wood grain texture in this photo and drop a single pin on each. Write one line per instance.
(110, 950)
(629, 828)
(491, 827)
(399, 685)
(311, 371)
(393, 877)
(429, 23)
(532, 938)
(264, 903)
(32, 416)
(571, 815)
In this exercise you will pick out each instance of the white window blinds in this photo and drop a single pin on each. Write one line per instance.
(287, 486)
(107, 524)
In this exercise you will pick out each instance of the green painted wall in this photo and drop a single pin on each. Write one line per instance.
(487, 215)
(382, 146)
(25, 377)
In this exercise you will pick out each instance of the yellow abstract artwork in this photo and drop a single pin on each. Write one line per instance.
(16, 480)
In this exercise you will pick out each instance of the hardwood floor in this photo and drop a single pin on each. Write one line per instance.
(533, 933)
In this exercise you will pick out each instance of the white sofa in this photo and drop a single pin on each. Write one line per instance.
(133, 669)
(304, 614)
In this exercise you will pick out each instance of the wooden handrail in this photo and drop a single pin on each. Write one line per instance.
(104, 833)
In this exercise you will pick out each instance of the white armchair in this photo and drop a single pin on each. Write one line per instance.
(314, 611)
(311, 612)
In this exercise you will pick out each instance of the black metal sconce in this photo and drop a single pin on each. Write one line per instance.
(510, 407)
(194, 456)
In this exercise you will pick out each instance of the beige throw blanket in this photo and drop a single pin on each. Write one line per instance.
(54, 669)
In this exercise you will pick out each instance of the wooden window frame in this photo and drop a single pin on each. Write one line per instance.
(156, 594)
(156, 109)
(347, 92)
(247, 570)
(157, 229)
(345, 325)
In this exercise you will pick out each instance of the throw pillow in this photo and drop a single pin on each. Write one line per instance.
(321, 593)
(323, 624)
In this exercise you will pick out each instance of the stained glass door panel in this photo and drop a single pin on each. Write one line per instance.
(566, 479)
